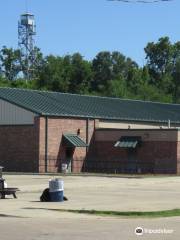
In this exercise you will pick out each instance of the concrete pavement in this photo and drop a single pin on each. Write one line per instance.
(27, 218)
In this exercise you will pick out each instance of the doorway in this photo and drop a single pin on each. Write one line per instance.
(69, 158)
(132, 160)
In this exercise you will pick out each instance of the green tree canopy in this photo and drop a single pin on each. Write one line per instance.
(10, 61)
(108, 74)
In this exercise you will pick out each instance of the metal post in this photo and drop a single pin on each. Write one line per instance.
(169, 123)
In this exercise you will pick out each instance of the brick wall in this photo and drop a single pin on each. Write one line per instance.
(178, 156)
(56, 150)
(19, 148)
(22, 148)
(157, 154)
(151, 157)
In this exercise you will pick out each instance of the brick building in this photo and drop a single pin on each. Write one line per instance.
(47, 132)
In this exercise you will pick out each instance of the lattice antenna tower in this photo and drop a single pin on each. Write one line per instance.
(26, 43)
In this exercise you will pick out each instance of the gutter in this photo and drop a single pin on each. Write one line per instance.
(108, 118)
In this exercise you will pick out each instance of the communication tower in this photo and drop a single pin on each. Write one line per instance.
(26, 42)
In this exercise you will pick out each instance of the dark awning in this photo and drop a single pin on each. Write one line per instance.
(128, 142)
(73, 140)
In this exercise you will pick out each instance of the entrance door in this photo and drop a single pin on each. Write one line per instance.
(69, 159)
(132, 161)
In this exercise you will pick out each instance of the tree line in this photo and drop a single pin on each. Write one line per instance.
(109, 74)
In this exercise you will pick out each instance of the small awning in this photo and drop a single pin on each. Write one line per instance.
(128, 142)
(73, 140)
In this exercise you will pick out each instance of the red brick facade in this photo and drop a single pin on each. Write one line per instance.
(151, 157)
(19, 148)
(22, 148)
(56, 151)
(158, 152)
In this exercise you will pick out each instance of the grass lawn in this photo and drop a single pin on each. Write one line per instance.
(151, 214)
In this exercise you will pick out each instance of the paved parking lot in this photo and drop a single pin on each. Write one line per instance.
(27, 218)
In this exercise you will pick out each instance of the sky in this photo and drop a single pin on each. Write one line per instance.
(90, 26)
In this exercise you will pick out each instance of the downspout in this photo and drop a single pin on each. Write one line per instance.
(46, 144)
(169, 123)
(87, 141)
(87, 134)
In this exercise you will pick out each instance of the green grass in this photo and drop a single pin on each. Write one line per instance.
(151, 214)
(131, 214)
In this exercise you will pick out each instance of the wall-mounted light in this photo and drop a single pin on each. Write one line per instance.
(78, 131)
(146, 135)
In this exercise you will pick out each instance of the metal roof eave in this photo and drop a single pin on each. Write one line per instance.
(109, 118)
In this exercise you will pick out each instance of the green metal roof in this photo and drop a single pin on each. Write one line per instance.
(128, 142)
(73, 105)
(73, 140)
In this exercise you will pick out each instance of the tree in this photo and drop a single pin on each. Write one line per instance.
(51, 75)
(81, 74)
(10, 62)
(159, 61)
(117, 88)
(102, 67)
(176, 82)
(65, 74)
(162, 60)
(134, 78)
(109, 66)
(159, 57)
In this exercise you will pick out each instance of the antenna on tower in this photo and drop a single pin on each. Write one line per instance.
(26, 43)
(26, 6)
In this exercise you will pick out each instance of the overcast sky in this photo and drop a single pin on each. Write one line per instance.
(90, 26)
